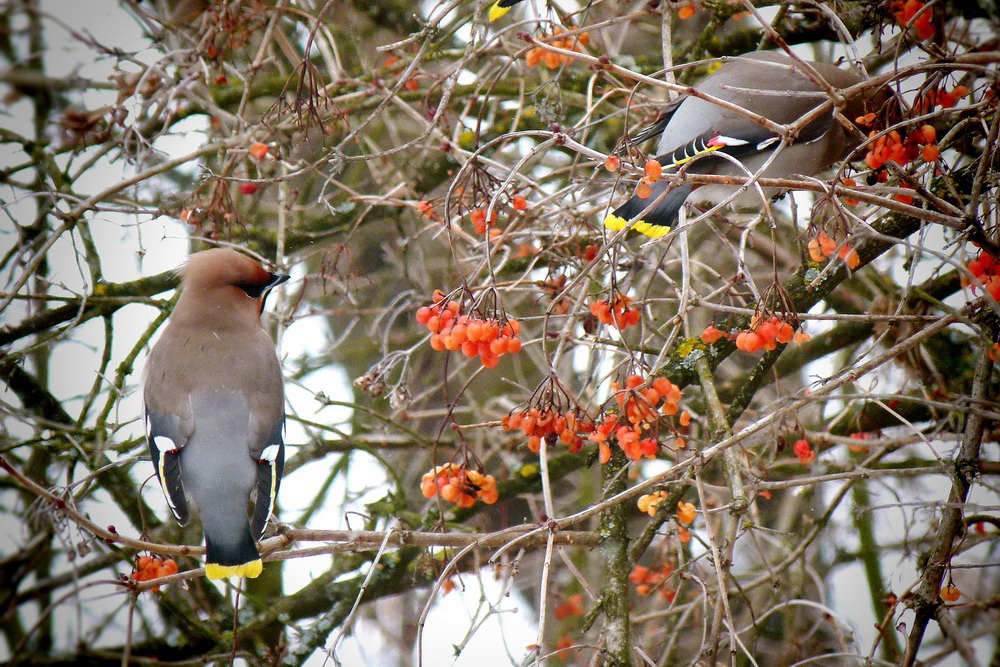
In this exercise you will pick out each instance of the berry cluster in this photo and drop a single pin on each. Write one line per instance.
(479, 223)
(823, 247)
(939, 97)
(573, 606)
(653, 170)
(548, 424)
(804, 452)
(457, 484)
(987, 270)
(152, 567)
(894, 147)
(426, 209)
(646, 580)
(765, 335)
(638, 412)
(650, 502)
(906, 11)
(554, 60)
(487, 338)
(619, 313)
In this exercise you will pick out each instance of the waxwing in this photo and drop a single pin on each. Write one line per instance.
(695, 130)
(215, 408)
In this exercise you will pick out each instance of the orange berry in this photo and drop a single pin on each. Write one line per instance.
(850, 256)
(950, 593)
(804, 452)
(412, 84)
(633, 381)
(686, 12)
(470, 348)
(258, 150)
(489, 359)
(513, 345)
(767, 331)
(749, 341)
(478, 218)
(654, 170)
(785, 333)
(643, 191)
(711, 334)
(826, 244)
(930, 153)
(612, 163)
(686, 512)
(519, 203)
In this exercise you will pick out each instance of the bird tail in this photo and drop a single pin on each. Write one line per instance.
(232, 558)
(656, 221)
(501, 7)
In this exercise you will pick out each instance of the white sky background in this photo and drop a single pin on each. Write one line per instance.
(131, 251)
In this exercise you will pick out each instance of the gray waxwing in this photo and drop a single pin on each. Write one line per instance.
(695, 131)
(215, 408)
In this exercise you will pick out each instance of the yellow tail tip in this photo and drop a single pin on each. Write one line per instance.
(250, 570)
(652, 231)
(615, 222)
(496, 11)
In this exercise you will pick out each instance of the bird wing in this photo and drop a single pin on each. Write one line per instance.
(656, 128)
(270, 467)
(166, 434)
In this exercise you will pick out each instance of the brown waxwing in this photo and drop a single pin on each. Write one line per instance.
(769, 84)
(215, 408)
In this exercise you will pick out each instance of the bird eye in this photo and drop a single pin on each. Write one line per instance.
(256, 290)
(252, 291)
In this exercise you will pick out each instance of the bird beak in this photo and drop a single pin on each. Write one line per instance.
(276, 279)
